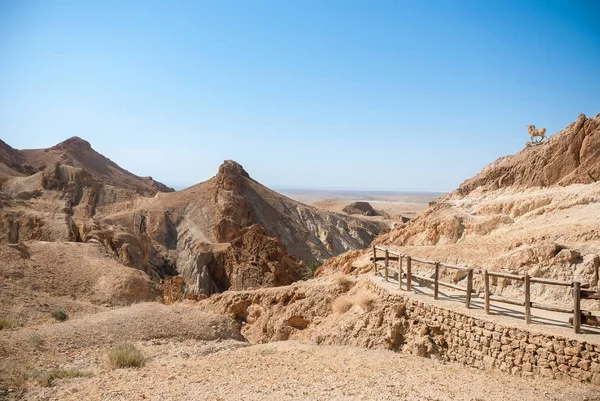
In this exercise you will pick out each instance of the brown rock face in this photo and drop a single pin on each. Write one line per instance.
(236, 211)
(14, 160)
(568, 157)
(251, 260)
(262, 261)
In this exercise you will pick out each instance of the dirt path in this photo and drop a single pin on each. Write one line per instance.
(542, 321)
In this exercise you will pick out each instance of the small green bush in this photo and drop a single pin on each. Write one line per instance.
(311, 269)
(60, 315)
(125, 355)
(46, 377)
(6, 324)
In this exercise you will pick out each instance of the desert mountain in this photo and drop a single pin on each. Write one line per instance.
(233, 232)
(46, 206)
(76, 152)
(537, 211)
(229, 232)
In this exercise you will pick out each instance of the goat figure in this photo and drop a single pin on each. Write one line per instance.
(536, 132)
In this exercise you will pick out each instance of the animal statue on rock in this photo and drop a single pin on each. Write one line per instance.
(533, 132)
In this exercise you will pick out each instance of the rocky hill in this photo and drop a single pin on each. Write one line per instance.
(229, 232)
(76, 152)
(537, 211)
(361, 208)
(233, 232)
(571, 156)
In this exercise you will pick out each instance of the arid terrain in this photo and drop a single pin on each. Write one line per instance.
(324, 338)
(213, 284)
(391, 206)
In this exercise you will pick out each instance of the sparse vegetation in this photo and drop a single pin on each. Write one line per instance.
(365, 302)
(344, 281)
(13, 374)
(344, 303)
(310, 270)
(6, 324)
(125, 355)
(37, 340)
(47, 377)
(341, 305)
(60, 315)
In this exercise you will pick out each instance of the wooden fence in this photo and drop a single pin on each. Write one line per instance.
(577, 291)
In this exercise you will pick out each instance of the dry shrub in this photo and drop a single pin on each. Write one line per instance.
(46, 378)
(60, 315)
(341, 305)
(125, 355)
(13, 374)
(6, 324)
(365, 302)
(37, 340)
(344, 282)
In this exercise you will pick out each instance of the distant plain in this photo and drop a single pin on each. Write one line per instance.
(394, 203)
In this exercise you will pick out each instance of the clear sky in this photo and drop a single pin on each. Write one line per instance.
(396, 95)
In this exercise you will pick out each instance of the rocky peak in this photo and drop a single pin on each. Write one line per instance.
(231, 174)
(74, 143)
(232, 168)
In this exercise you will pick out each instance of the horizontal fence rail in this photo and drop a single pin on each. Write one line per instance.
(407, 260)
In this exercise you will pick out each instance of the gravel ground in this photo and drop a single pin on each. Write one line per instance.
(233, 370)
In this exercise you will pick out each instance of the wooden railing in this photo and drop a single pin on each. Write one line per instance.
(578, 293)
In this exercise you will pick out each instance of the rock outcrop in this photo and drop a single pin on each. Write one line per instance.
(335, 311)
(250, 260)
(361, 208)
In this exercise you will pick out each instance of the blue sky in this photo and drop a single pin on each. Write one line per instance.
(389, 95)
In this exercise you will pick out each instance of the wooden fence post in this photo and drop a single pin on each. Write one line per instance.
(436, 279)
(469, 288)
(597, 271)
(374, 260)
(486, 290)
(576, 306)
(527, 299)
(387, 261)
(408, 273)
(400, 258)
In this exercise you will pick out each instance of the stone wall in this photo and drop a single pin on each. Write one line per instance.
(486, 345)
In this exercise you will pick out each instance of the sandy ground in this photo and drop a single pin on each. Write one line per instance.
(193, 353)
(292, 370)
